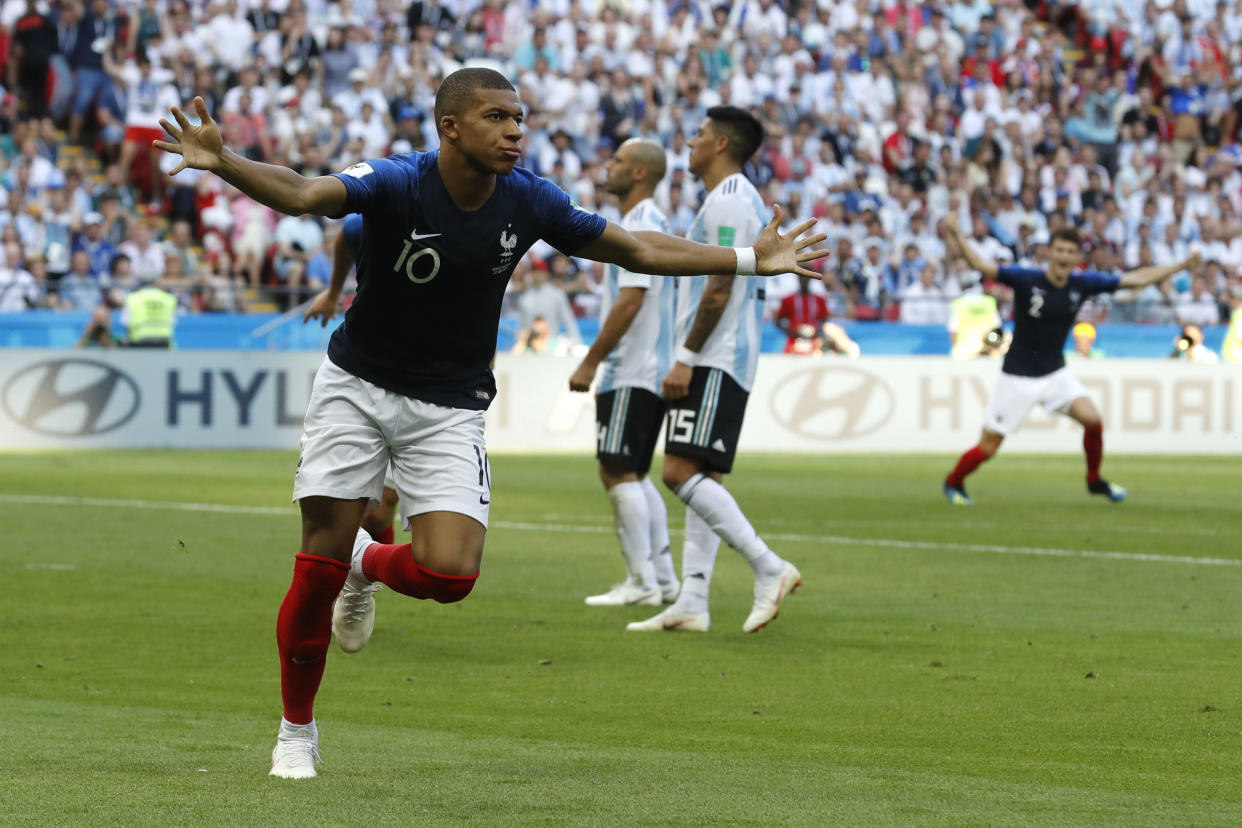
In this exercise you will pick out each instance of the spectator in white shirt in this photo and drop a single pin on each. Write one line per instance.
(925, 302)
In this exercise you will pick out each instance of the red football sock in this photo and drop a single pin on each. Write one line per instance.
(385, 535)
(967, 463)
(1093, 446)
(304, 630)
(395, 567)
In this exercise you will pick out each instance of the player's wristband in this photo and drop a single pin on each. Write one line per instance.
(686, 356)
(745, 261)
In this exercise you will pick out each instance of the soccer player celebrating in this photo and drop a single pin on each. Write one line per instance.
(710, 381)
(635, 345)
(1046, 303)
(407, 373)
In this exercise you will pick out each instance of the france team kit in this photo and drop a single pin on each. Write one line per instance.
(1034, 370)
(628, 405)
(408, 373)
(706, 424)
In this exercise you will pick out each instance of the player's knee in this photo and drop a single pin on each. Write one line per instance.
(445, 589)
(1093, 423)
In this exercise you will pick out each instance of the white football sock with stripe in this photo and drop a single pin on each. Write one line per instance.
(698, 559)
(712, 502)
(633, 519)
(661, 553)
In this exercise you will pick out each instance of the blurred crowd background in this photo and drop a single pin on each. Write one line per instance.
(1120, 117)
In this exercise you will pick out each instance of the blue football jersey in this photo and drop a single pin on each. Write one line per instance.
(1043, 315)
(351, 232)
(432, 276)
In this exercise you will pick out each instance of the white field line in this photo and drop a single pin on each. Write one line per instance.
(598, 529)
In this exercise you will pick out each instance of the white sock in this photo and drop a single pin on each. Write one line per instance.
(661, 551)
(698, 559)
(712, 502)
(630, 513)
(289, 730)
(362, 541)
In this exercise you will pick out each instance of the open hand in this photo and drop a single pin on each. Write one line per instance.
(200, 147)
(775, 254)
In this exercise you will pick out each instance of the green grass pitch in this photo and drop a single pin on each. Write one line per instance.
(1044, 658)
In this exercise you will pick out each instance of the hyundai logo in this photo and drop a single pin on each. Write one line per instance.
(71, 398)
(832, 402)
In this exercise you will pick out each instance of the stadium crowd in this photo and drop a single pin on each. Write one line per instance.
(882, 116)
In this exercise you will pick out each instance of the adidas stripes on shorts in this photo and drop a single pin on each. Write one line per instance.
(705, 424)
(627, 427)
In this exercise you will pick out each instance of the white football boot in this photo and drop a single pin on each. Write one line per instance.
(296, 755)
(353, 613)
(769, 593)
(673, 618)
(628, 594)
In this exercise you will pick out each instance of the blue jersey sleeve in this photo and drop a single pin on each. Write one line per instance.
(1091, 282)
(1017, 276)
(374, 184)
(565, 226)
(351, 231)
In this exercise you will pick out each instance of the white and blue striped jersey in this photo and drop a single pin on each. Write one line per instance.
(732, 215)
(645, 353)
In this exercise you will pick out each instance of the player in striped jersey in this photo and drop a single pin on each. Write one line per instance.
(635, 348)
(720, 321)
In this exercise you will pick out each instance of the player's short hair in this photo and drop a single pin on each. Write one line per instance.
(459, 87)
(743, 130)
(1069, 234)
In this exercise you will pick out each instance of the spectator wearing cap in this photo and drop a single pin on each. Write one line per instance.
(1084, 335)
(97, 247)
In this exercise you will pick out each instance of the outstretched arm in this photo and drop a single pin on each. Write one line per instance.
(664, 255)
(280, 188)
(986, 269)
(628, 303)
(1145, 276)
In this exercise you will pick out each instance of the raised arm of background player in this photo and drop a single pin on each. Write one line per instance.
(201, 147)
(344, 254)
(1140, 278)
(629, 303)
(986, 269)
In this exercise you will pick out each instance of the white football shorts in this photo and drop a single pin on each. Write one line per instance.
(1014, 396)
(353, 429)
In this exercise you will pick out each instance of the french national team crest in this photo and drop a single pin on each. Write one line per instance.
(508, 244)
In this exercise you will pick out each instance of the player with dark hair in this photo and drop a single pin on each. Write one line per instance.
(407, 374)
(1046, 305)
(720, 321)
(635, 347)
